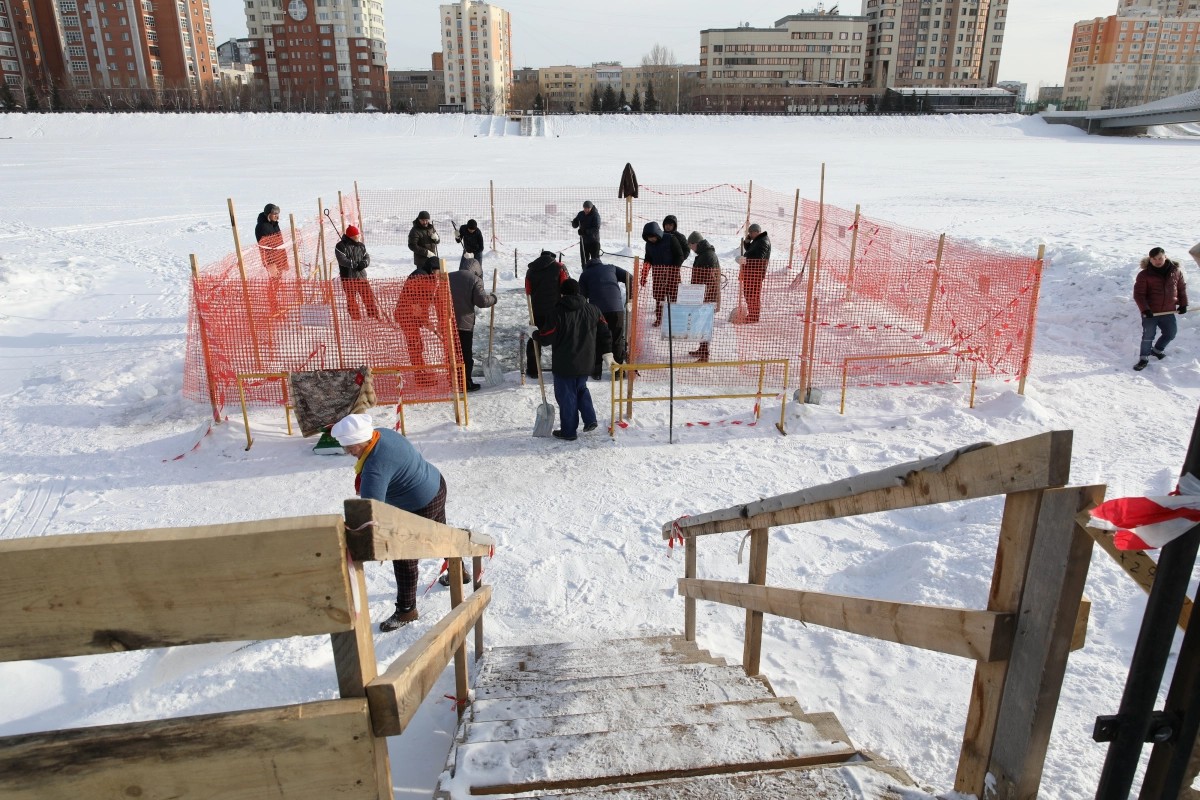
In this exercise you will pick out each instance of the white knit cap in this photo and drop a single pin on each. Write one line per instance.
(354, 429)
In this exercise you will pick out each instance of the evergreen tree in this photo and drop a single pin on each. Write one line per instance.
(636, 105)
(622, 102)
(32, 103)
(926, 104)
(609, 102)
(56, 101)
(597, 104)
(6, 97)
(912, 104)
(872, 107)
(651, 101)
(538, 103)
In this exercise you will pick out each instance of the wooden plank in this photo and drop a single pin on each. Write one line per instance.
(396, 695)
(981, 635)
(1035, 463)
(1136, 565)
(1058, 568)
(477, 575)
(385, 533)
(1017, 528)
(312, 751)
(752, 646)
(689, 603)
(88, 593)
(1079, 636)
(461, 679)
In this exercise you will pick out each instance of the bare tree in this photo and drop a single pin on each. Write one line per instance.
(656, 65)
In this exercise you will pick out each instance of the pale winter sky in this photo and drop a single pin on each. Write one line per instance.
(547, 33)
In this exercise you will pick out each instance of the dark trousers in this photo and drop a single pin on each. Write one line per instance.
(466, 339)
(590, 249)
(361, 290)
(406, 571)
(531, 362)
(574, 400)
(1150, 325)
(752, 280)
(616, 325)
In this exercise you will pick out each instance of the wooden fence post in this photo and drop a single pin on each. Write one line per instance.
(1058, 567)
(821, 217)
(853, 251)
(461, 690)
(342, 211)
(322, 258)
(451, 338)
(362, 228)
(933, 287)
(631, 333)
(1033, 301)
(752, 649)
(237, 245)
(477, 569)
(492, 199)
(689, 603)
(212, 384)
(295, 247)
(795, 219)
(746, 227)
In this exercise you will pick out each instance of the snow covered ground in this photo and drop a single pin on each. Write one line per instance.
(97, 217)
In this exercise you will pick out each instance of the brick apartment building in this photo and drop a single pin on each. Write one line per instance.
(914, 44)
(1148, 50)
(114, 54)
(419, 90)
(480, 81)
(319, 55)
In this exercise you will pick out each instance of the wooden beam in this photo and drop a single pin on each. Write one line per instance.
(1058, 567)
(1017, 528)
(396, 695)
(461, 677)
(376, 531)
(1034, 463)
(689, 603)
(1079, 636)
(752, 646)
(89, 593)
(981, 635)
(1136, 565)
(312, 751)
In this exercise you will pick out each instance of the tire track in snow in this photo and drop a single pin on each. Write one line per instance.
(30, 518)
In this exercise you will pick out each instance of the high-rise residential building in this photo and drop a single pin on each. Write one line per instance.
(122, 54)
(934, 43)
(320, 54)
(803, 58)
(1148, 50)
(21, 58)
(233, 52)
(477, 51)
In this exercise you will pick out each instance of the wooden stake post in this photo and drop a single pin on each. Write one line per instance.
(362, 229)
(632, 333)
(752, 647)
(477, 570)
(208, 375)
(1031, 321)
(295, 247)
(451, 338)
(461, 683)
(821, 218)
(746, 227)
(853, 251)
(341, 213)
(795, 219)
(237, 245)
(933, 286)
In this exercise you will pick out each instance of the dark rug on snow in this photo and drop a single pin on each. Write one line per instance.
(323, 398)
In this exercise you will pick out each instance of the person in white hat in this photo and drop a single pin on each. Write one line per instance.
(390, 470)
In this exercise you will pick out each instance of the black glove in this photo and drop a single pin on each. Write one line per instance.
(1147, 313)
(1183, 309)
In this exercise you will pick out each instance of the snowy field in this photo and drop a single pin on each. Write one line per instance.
(98, 214)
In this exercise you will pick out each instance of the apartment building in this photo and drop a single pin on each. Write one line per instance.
(233, 51)
(802, 60)
(319, 54)
(122, 54)
(569, 88)
(1148, 50)
(419, 90)
(934, 43)
(477, 51)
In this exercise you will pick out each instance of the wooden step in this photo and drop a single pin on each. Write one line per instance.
(647, 754)
(494, 688)
(572, 724)
(615, 664)
(663, 693)
(565, 649)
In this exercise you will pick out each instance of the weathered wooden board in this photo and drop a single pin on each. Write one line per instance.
(88, 593)
(314, 751)
(377, 531)
(1035, 463)
(981, 635)
(396, 695)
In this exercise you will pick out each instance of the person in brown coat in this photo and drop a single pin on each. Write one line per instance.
(1158, 291)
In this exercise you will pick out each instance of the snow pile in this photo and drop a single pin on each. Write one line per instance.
(100, 212)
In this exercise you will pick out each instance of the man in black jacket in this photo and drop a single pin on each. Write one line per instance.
(543, 279)
(468, 293)
(587, 222)
(353, 260)
(271, 250)
(670, 227)
(664, 255)
(706, 271)
(471, 239)
(754, 261)
(423, 241)
(601, 285)
(577, 332)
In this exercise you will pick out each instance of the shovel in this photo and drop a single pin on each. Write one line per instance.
(493, 375)
(543, 424)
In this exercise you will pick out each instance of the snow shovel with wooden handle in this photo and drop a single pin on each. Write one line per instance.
(493, 374)
(543, 424)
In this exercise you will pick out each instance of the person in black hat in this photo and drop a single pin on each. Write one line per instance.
(271, 250)
(471, 239)
(587, 222)
(423, 241)
(753, 262)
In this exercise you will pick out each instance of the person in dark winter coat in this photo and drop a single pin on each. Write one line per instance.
(706, 272)
(1159, 291)
(754, 261)
(601, 284)
(587, 222)
(664, 255)
(353, 260)
(468, 293)
(543, 278)
(577, 332)
(670, 227)
(471, 239)
(423, 241)
(271, 250)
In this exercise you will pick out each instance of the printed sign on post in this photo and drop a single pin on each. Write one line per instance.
(691, 295)
(690, 323)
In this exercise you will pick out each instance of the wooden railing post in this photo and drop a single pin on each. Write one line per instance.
(461, 689)
(752, 650)
(689, 603)
(477, 569)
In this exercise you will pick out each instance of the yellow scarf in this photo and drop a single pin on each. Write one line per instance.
(358, 468)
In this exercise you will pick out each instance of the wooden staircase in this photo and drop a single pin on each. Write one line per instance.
(650, 719)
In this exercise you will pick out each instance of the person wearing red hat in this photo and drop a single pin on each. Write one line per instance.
(353, 260)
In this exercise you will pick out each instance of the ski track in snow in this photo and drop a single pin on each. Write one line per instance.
(93, 309)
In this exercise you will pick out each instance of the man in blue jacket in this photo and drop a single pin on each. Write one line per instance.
(580, 337)
(601, 284)
(390, 470)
